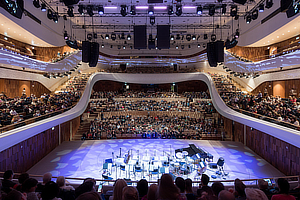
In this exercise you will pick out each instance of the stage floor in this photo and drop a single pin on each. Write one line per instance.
(82, 159)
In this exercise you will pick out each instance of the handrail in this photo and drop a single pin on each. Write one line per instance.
(104, 180)
(266, 118)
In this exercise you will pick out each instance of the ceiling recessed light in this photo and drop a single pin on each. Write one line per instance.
(1, 24)
(277, 36)
(282, 33)
(8, 28)
(288, 30)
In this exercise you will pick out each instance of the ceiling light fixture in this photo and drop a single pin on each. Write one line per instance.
(188, 37)
(194, 37)
(70, 11)
(170, 10)
(113, 36)
(128, 37)
(248, 19)
(89, 11)
(261, 8)
(132, 10)
(178, 10)
(269, 4)
(211, 10)
(36, 3)
(172, 37)
(199, 10)
(43, 7)
(106, 36)
(123, 10)
(255, 14)
(233, 11)
(150, 10)
(152, 20)
(80, 9)
(224, 9)
(100, 10)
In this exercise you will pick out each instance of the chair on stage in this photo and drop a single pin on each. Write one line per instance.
(106, 177)
(137, 169)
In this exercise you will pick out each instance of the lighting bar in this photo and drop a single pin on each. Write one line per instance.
(141, 7)
(160, 7)
(189, 7)
(110, 7)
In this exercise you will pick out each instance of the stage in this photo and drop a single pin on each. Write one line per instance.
(82, 159)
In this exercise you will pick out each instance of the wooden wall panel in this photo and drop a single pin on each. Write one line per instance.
(107, 86)
(228, 127)
(238, 132)
(262, 86)
(27, 153)
(279, 89)
(13, 88)
(192, 86)
(282, 155)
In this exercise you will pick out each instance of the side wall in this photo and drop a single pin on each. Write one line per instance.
(13, 88)
(27, 153)
(282, 155)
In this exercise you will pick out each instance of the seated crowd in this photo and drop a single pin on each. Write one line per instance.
(281, 110)
(152, 127)
(29, 189)
(140, 94)
(14, 110)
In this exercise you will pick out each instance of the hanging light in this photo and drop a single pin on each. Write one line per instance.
(36, 3)
(106, 36)
(80, 9)
(261, 8)
(170, 10)
(224, 9)
(43, 7)
(128, 37)
(100, 10)
(132, 10)
(178, 10)
(70, 11)
(123, 10)
(199, 10)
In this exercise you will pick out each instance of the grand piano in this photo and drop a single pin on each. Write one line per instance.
(196, 153)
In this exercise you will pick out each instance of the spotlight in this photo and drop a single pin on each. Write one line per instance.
(123, 10)
(237, 34)
(172, 37)
(203, 45)
(170, 10)
(178, 10)
(132, 10)
(199, 10)
(89, 36)
(150, 10)
(236, 17)
(194, 37)
(55, 17)
(205, 36)
(50, 14)
(100, 10)
(80, 9)
(152, 20)
(182, 46)
(111, 46)
(65, 17)
(178, 37)
(176, 47)
(43, 8)
(113, 36)
(122, 36)
(255, 14)
(128, 37)
(248, 19)
(66, 37)
(269, 3)
(89, 10)
(199, 45)
(224, 9)
(261, 8)
(102, 46)
(211, 10)
(233, 11)
(107, 36)
(188, 37)
(36, 3)
(124, 47)
(213, 37)
(70, 11)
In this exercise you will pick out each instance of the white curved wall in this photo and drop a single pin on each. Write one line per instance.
(13, 137)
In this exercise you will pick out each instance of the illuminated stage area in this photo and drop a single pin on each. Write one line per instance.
(149, 158)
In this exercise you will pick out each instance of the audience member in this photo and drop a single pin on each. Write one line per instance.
(179, 182)
(7, 183)
(61, 182)
(204, 186)
(284, 188)
(118, 189)
(21, 180)
(130, 193)
(189, 189)
(217, 187)
(50, 191)
(226, 195)
(15, 195)
(239, 188)
(46, 178)
(87, 186)
(29, 187)
(255, 194)
(89, 196)
(142, 187)
(152, 192)
(166, 189)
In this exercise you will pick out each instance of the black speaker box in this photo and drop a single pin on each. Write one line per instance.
(70, 2)
(292, 11)
(285, 4)
(86, 51)
(211, 56)
(163, 36)
(94, 54)
(219, 50)
(140, 37)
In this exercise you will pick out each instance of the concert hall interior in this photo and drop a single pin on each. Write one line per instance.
(135, 89)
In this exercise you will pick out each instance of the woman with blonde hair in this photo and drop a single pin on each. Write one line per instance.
(118, 189)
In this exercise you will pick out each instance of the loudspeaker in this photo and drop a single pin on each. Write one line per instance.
(211, 56)
(285, 4)
(175, 67)
(70, 2)
(292, 11)
(221, 162)
(86, 51)
(94, 54)
(140, 37)
(219, 51)
(163, 36)
(123, 67)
